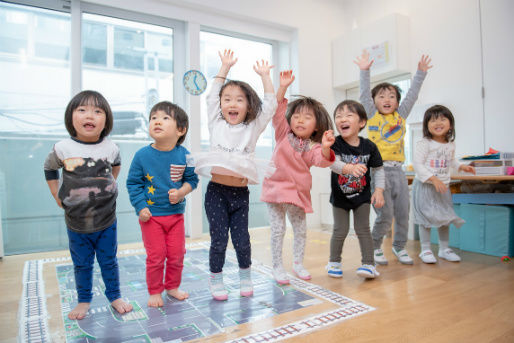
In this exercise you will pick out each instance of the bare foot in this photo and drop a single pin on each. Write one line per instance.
(177, 294)
(79, 312)
(155, 300)
(121, 306)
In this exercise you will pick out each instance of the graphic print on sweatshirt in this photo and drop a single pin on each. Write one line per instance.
(349, 184)
(88, 191)
(441, 163)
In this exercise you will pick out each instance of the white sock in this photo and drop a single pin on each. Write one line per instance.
(424, 238)
(444, 237)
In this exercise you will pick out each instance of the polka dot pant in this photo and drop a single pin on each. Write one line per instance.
(227, 210)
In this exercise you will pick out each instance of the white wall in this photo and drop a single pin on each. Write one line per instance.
(449, 31)
(498, 48)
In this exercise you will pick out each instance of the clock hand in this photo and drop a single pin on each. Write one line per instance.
(196, 84)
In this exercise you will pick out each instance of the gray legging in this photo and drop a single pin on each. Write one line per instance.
(341, 228)
(396, 197)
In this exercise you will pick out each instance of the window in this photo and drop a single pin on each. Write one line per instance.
(128, 60)
(34, 59)
(247, 52)
(131, 64)
(134, 59)
(94, 43)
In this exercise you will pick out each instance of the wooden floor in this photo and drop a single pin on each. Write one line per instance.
(470, 301)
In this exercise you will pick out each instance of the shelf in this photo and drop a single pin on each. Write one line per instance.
(484, 198)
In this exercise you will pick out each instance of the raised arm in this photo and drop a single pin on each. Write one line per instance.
(227, 61)
(286, 79)
(412, 95)
(269, 103)
(364, 63)
(213, 98)
(263, 69)
(327, 141)
(321, 155)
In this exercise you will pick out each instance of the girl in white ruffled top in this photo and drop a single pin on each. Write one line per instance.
(237, 117)
(431, 198)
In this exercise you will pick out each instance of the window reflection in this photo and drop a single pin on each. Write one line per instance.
(34, 57)
(131, 64)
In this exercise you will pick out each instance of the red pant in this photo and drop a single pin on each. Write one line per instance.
(164, 242)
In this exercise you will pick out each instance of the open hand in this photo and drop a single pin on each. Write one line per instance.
(439, 185)
(424, 63)
(467, 169)
(227, 58)
(286, 78)
(377, 198)
(262, 68)
(363, 61)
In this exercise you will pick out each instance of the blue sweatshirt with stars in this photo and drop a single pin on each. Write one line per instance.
(153, 173)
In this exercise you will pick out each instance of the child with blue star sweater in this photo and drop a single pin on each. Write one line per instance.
(158, 181)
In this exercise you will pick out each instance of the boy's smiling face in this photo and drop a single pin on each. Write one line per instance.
(386, 101)
(348, 123)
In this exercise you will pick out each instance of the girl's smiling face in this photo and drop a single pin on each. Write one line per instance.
(303, 122)
(234, 105)
(348, 123)
(88, 122)
(438, 126)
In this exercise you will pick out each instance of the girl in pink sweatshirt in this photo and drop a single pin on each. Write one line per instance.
(303, 137)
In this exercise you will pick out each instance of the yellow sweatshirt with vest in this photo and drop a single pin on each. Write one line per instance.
(387, 131)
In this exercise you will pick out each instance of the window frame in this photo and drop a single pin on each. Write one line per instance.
(76, 8)
(179, 44)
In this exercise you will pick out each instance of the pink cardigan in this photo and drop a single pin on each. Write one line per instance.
(292, 181)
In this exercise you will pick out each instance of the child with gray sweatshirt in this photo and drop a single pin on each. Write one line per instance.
(386, 128)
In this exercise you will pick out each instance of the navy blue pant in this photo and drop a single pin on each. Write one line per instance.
(83, 247)
(227, 209)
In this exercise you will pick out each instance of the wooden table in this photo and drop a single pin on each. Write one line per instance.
(468, 177)
(482, 178)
